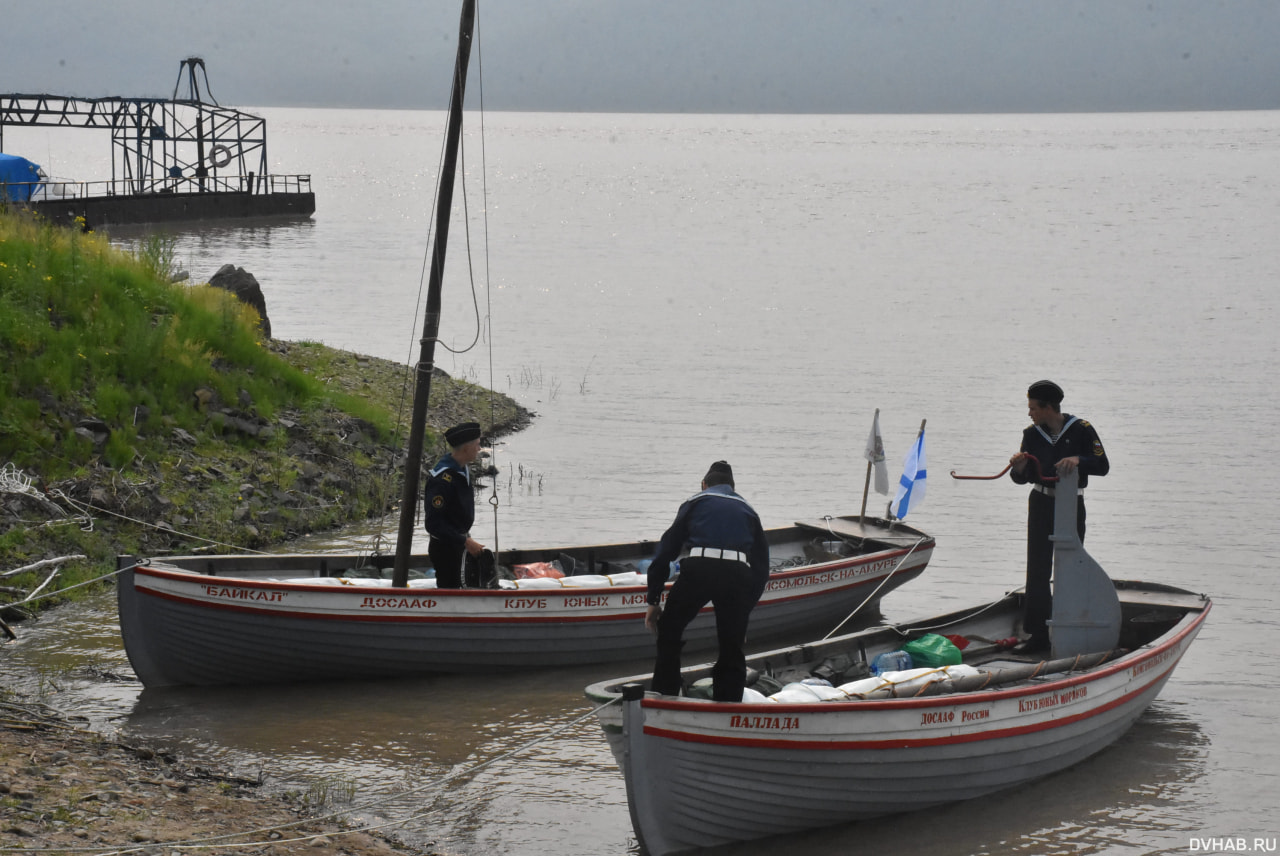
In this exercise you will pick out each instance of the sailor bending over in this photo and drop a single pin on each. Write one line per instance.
(727, 566)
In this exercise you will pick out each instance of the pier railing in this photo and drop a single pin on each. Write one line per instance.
(55, 189)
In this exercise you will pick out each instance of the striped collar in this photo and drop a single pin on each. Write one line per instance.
(721, 490)
(448, 463)
(1054, 438)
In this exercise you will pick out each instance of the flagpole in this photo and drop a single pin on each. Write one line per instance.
(866, 484)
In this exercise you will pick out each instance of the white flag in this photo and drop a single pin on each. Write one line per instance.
(911, 486)
(875, 456)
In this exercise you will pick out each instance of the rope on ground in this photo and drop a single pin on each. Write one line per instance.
(85, 506)
(14, 480)
(223, 842)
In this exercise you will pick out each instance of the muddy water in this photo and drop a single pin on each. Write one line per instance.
(669, 290)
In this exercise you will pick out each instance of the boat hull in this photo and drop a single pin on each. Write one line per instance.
(227, 625)
(701, 774)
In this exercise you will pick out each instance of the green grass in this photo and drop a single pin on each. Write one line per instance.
(95, 337)
(119, 399)
(89, 332)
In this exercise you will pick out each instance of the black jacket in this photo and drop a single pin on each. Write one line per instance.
(449, 501)
(717, 518)
(1078, 437)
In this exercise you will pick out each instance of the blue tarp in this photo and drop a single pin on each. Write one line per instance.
(18, 178)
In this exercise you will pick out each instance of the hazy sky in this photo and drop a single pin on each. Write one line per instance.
(741, 56)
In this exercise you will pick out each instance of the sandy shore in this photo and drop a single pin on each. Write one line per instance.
(63, 786)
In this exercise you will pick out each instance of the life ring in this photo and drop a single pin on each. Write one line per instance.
(219, 155)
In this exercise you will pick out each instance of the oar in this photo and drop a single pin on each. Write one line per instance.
(996, 677)
(1033, 460)
(984, 478)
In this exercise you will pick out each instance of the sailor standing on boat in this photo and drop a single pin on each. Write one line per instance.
(1059, 443)
(727, 565)
(451, 506)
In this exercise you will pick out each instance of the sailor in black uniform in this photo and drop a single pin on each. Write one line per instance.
(727, 565)
(450, 506)
(1054, 443)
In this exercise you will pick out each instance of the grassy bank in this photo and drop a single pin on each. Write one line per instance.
(138, 416)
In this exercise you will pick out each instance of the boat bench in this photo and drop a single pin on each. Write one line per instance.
(861, 530)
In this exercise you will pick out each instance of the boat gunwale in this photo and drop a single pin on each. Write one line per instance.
(609, 690)
(788, 574)
(313, 614)
(975, 735)
(1051, 683)
(396, 618)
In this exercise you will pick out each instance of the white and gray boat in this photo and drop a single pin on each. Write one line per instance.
(803, 752)
(261, 618)
(244, 619)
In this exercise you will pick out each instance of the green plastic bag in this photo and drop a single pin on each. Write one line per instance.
(932, 651)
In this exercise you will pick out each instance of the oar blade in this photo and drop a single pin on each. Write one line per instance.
(1086, 609)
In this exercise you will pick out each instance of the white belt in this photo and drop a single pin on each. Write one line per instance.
(716, 553)
(1047, 491)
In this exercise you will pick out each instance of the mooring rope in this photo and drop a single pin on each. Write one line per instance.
(876, 591)
(13, 480)
(35, 596)
(976, 612)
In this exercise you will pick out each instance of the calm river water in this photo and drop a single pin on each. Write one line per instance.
(668, 290)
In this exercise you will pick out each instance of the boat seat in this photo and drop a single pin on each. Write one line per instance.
(1156, 599)
(861, 529)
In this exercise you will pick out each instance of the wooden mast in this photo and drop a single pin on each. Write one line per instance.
(431, 323)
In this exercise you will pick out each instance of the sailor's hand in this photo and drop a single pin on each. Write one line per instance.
(1019, 461)
(1066, 465)
(474, 547)
(651, 616)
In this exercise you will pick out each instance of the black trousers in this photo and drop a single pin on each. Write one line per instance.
(729, 587)
(1039, 599)
(447, 559)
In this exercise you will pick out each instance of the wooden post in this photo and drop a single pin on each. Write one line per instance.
(431, 323)
(866, 482)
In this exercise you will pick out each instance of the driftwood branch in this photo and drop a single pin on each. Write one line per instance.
(23, 594)
(42, 585)
(43, 563)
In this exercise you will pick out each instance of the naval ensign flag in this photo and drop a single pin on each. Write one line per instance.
(911, 486)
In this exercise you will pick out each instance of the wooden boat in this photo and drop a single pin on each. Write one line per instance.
(702, 773)
(240, 619)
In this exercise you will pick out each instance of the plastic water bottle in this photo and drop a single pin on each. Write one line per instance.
(891, 661)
